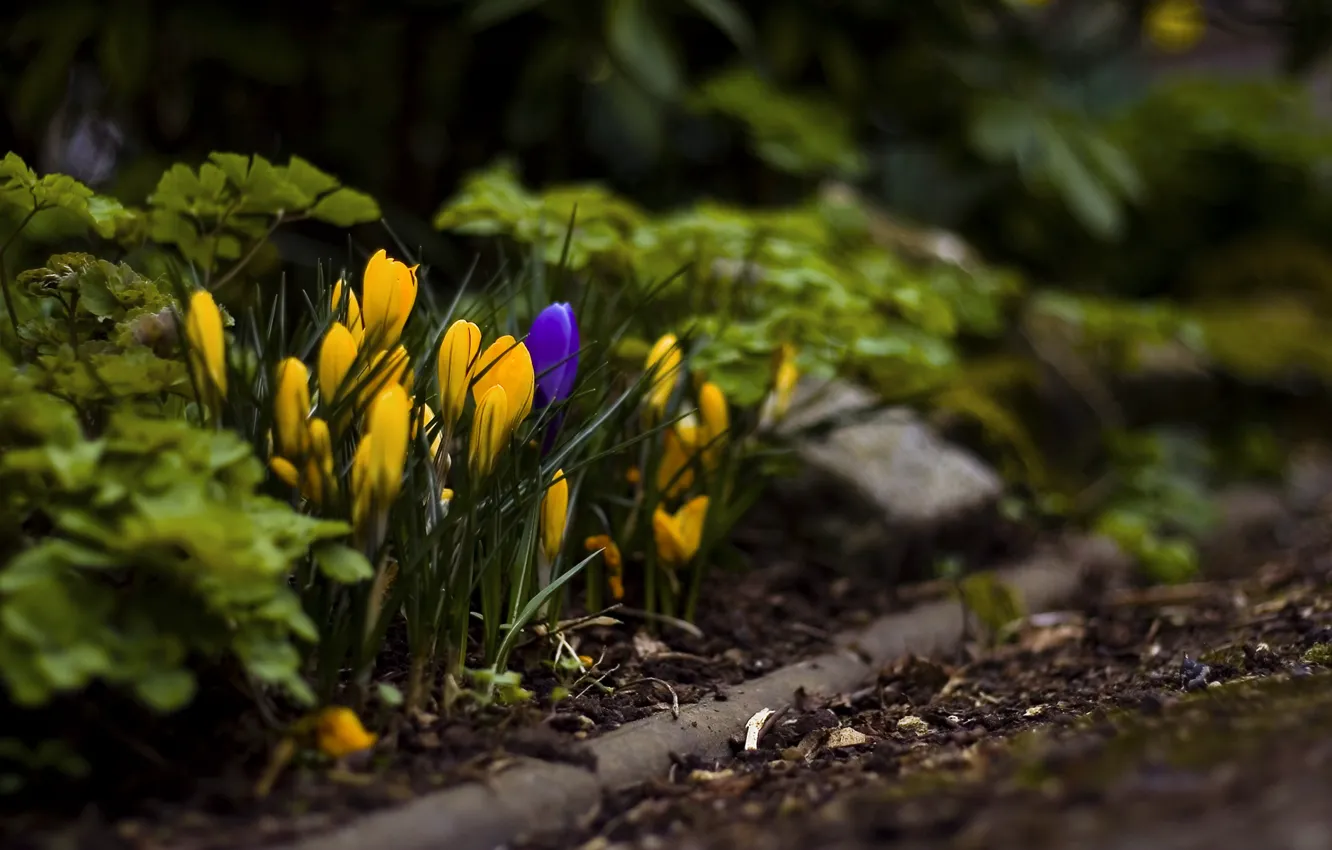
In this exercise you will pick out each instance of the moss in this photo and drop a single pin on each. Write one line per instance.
(1320, 654)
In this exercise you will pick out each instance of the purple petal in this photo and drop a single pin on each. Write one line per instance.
(551, 340)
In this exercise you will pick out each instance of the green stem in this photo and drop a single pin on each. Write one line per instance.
(4, 278)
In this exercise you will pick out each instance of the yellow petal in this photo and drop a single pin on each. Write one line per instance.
(354, 322)
(674, 472)
(1175, 25)
(554, 514)
(385, 369)
(339, 732)
(389, 423)
(388, 294)
(291, 406)
(662, 367)
(716, 420)
(506, 363)
(284, 470)
(337, 353)
(666, 534)
(361, 481)
(458, 351)
(203, 329)
(490, 431)
(689, 520)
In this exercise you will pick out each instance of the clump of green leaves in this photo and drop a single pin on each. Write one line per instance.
(135, 554)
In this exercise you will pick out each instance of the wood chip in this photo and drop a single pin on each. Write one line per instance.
(845, 737)
(753, 726)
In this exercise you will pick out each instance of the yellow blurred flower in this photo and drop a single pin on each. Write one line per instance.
(385, 369)
(285, 470)
(203, 330)
(388, 293)
(716, 421)
(378, 464)
(675, 473)
(785, 378)
(337, 353)
(355, 325)
(339, 732)
(458, 351)
(318, 478)
(610, 556)
(490, 432)
(506, 363)
(678, 535)
(662, 366)
(554, 514)
(291, 406)
(1175, 26)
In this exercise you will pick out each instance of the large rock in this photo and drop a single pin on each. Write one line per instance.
(879, 483)
(888, 455)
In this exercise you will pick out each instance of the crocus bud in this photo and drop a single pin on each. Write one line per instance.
(554, 513)
(662, 366)
(388, 293)
(458, 352)
(203, 329)
(291, 405)
(506, 363)
(336, 354)
(553, 342)
(490, 432)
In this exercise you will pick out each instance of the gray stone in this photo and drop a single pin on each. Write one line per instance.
(889, 456)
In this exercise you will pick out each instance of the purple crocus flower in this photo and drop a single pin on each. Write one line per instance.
(553, 343)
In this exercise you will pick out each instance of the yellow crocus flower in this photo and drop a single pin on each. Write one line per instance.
(662, 366)
(203, 329)
(490, 432)
(716, 421)
(337, 353)
(388, 294)
(506, 363)
(554, 514)
(385, 369)
(291, 406)
(339, 732)
(319, 466)
(675, 471)
(678, 535)
(285, 470)
(458, 351)
(389, 423)
(355, 324)
(1175, 25)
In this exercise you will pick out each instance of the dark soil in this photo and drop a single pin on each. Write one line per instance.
(1197, 716)
(199, 790)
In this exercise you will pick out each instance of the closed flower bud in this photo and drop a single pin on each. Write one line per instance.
(506, 363)
(291, 406)
(354, 323)
(458, 351)
(490, 432)
(388, 294)
(337, 353)
(716, 421)
(203, 329)
(662, 367)
(554, 513)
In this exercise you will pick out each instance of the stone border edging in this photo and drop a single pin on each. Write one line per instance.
(535, 797)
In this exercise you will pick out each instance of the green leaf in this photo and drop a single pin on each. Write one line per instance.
(166, 690)
(309, 179)
(342, 564)
(636, 39)
(346, 207)
(729, 18)
(488, 13)
(388, 694)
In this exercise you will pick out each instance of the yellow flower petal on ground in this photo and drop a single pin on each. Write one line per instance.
(716, 421)
(339, 732)
(355, 325)
(490, 432)
(203, 330)
(662, 366)
(554, 514)
(337, 353)
(458, 351)
(506, 363)
(291, 406)
(388, 294)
